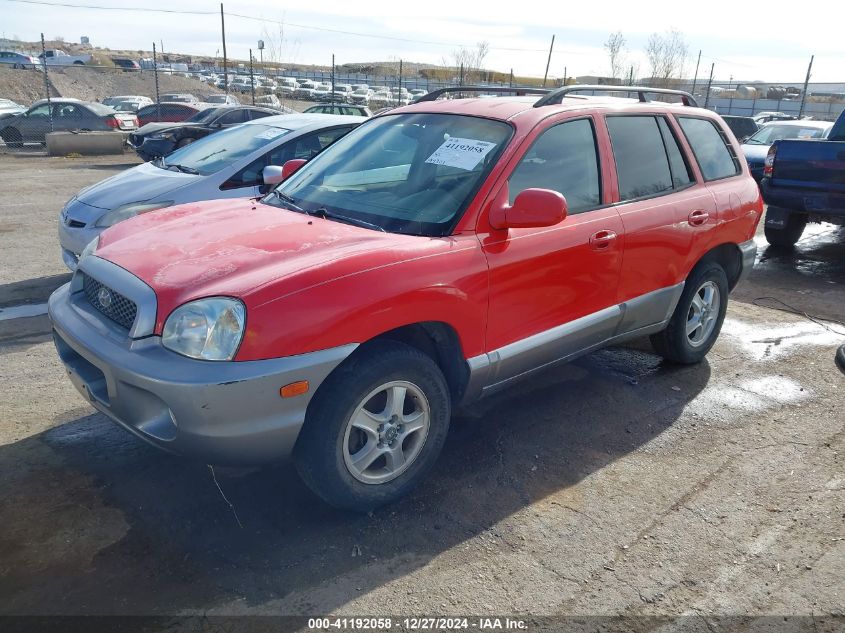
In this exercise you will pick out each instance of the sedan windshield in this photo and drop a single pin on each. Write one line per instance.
(773, 132)
(405, 173)
(217, 151)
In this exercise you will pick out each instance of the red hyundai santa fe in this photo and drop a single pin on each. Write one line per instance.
(434, 255)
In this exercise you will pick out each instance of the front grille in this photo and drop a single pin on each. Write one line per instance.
(111, 303)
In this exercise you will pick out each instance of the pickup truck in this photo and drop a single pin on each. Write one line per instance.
(432, 256)
(56, 57)
(804, 181)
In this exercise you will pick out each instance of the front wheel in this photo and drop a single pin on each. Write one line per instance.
(697, 320)
(375, 428)
(12, 137)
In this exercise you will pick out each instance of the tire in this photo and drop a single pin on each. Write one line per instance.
(329, 444)
(677, 343)
(12, 138)
(788, 235)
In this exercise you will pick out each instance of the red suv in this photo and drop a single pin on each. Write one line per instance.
(432, 256)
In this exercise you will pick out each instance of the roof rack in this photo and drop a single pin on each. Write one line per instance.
(434, 94)
(555, 96)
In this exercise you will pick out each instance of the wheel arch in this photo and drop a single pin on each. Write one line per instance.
(729, 257)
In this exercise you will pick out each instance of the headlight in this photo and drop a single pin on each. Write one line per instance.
(206, 329)
(90, 248)
(130, 210)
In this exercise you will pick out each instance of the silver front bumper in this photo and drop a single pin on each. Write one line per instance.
(219, 412)
(748, 252)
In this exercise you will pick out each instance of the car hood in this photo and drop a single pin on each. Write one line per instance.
(755, 153)
(151, 128)
(138, 184)
(243, 248)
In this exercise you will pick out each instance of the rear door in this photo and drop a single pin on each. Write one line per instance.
(661, 207)
(553, 289)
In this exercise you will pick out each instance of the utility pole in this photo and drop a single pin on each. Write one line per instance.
(332, 99)
(225, 60)
(806, 82)
(695, 79)
(549, 61)
(709, 83)
(631, 76)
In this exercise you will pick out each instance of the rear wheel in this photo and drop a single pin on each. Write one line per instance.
(787, 235)
(376, 427)
(697, 320)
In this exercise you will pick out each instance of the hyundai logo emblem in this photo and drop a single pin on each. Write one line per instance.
(104, 297)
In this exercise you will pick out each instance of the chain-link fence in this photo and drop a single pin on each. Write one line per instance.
(83, 96)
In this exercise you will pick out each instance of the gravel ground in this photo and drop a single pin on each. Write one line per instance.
(614, 486)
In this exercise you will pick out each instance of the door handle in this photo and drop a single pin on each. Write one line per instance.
(602, 240)
(698, 217)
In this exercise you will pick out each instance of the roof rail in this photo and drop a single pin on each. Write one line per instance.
(434, 94)
(555, 96)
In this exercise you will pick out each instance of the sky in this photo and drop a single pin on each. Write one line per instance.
(746, 41)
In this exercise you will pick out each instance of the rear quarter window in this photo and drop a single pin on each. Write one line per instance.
(711, 148)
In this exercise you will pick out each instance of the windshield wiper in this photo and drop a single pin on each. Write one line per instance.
(290, 203)
(183, 168)
(322, 212)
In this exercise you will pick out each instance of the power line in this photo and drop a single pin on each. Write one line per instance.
(283, 23)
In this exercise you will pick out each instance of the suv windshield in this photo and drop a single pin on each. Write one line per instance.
(405, 173)
(774, 132)
(216, 151)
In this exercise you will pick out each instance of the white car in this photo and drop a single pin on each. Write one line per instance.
(135, 99)
(226, 164)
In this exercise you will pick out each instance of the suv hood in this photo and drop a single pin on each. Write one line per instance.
(139, 184)
(243, 248)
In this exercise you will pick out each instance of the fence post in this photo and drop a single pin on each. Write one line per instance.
(399, 94)
(709, 83)
(251, 77)
(155, 73)
(46, 81)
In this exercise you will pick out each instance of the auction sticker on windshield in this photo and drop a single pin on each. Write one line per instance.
(271, 133)
(463, 153)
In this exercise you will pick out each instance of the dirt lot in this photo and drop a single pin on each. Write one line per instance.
(94, 84)
(617, 485)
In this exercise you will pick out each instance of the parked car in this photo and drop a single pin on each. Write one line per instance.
(305, 90)
(137, 101)
(361, 96)
(126, 65)
(19, 60)
(803, 182)
(56, 57)
(428, 258)
(272, 101)
(223, 99)
(179, 97)
(336, 108)
(33, 125)
(168, 112)
(9, 108)
(764, 117)
(228, 164)
(756, 148)
(741, 126)
(159, 139)
(341, 93)
(321, 92)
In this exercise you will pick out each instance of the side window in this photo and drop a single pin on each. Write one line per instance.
(232, 118)
(42, 110)
(257, 114)
(642, 166)
(681, 175)
(67, 111)
(564, 158)
(710, 147)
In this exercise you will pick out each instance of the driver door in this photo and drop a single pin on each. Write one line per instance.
(553, 289)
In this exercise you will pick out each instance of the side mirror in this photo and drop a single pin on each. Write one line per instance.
(291, 167)
(533, 208)
(272, 175)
